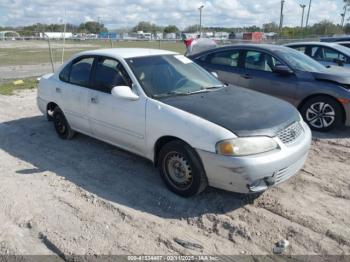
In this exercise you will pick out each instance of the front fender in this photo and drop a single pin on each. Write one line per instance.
(164, 120)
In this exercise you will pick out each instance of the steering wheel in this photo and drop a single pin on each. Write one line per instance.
(180, 81)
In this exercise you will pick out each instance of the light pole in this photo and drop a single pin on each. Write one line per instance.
(308, 14)
(302, 16)
(200, 19)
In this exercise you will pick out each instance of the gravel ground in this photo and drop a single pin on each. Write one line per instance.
(86, 197)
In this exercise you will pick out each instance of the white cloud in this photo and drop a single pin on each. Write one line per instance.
(121, 13)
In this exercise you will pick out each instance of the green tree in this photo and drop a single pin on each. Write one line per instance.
(147, 27)
(171, 29)
(347, 28)
(192, 29)
(326, 27)
(270, 27)
(92, 28)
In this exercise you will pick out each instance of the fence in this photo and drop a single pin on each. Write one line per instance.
(30, 57)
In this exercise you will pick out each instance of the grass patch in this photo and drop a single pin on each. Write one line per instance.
(7, 88)
(32, 55)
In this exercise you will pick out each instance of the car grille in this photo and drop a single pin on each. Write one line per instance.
(291, 133)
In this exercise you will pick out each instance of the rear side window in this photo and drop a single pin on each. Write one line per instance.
(225, 58)
(300, 48)
(80, 71)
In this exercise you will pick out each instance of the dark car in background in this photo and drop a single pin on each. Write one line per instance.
(328, 54)
(344, 43)
(335, 39)
(322, 96)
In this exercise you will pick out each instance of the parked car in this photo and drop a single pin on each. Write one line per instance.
(162, 106)
(328, 54)
(335, 39)
(322, 96)
(344, 43)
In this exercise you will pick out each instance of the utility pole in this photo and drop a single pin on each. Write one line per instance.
(343, 15)
(302, 16)
(308, 14)
(200, 19)
(281, 16)
(64, 34)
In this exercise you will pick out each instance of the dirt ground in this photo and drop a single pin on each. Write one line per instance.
(11, 72)
(86, 197)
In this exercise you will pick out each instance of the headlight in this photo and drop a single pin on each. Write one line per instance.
(246, 146)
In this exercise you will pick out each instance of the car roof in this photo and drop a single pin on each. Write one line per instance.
(268, 47)
(313, 43)
(342, 42)
(127, 52)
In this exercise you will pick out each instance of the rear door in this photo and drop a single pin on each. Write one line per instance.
(115, 120)
(72, 90)
(259, 66)
(227, 64)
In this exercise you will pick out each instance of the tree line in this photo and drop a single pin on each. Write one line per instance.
(324, 27)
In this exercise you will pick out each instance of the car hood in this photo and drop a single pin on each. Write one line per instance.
(334, 74)
(242, 111)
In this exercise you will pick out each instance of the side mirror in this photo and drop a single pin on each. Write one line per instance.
(283, 70)
(215, 74)
(124, 92)
(340, 62)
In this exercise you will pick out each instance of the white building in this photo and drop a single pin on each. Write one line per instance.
(56, 35)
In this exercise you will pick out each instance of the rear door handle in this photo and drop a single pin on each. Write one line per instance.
(246, 76)
(58, 90)
(94, 100)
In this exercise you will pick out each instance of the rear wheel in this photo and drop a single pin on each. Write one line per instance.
(181, 169)
(322, 113)
(61, 124)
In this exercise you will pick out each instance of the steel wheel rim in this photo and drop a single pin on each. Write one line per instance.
(178, 170)
(320, 115)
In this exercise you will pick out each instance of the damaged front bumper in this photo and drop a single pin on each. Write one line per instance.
(256, 173)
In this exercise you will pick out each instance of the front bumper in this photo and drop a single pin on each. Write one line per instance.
(347, 114)
(258, 172)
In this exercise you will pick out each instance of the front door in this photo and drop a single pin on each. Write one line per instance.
(259, 69)
(115, 120)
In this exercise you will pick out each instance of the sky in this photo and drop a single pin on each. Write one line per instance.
(126, 13)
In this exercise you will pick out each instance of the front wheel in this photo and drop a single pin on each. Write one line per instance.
(181, 169)
(322, 113)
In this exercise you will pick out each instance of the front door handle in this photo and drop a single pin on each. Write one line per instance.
(58, 90)
(94, 100)
(246, 76)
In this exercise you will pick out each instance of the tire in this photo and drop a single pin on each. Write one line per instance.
(322, 113)
(181, 169)
(61, 124)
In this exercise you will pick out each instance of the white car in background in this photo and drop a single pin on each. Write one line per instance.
(162, 106)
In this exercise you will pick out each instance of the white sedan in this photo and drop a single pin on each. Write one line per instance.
(162, 106)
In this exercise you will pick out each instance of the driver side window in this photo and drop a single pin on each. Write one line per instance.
(108, 74)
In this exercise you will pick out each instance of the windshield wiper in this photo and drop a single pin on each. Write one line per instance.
(171, 93)
(186, 93)
(213, 87)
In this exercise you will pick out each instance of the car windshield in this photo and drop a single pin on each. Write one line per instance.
(167, 75)
(300, 61)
